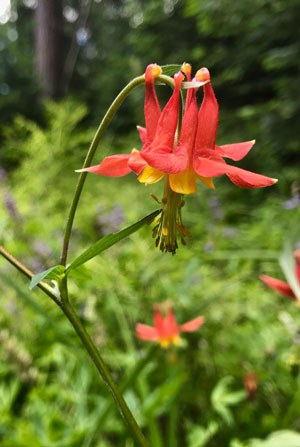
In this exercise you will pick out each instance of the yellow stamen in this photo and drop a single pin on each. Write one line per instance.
(170, 224)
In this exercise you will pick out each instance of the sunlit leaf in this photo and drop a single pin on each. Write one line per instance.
(287, 263)
(53, 273)
(222, 398)
(198, 436)
(282, 438)
(193, 84)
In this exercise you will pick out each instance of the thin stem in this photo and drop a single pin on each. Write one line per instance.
(128, 381)
(173, 426)
(22, 268)
(104, 372)
(93, 147)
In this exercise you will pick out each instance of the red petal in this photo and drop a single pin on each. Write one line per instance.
(235, 151)
(151, 105)
(167, 123)
(206, 167)
(247, 179)
(145, 332)
(159, 321)
(192, 325)
(113, 166)
(136, 163)
(240, 177)
(297, 271)
(189, 122)
(143, 134)
(164, 161)
(207, 121)
(171, 328)
(278, 285)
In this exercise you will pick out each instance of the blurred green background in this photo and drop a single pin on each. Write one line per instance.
(194, 396)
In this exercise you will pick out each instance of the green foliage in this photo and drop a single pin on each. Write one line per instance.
(190, 396)
(286, 438)
(109, 240)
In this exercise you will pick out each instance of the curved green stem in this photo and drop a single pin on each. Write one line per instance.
(23, 269)
(93, 147)
(94, 354)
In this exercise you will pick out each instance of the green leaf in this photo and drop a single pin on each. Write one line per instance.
(223, 397)
(55, 273)
(160, 399)
(198, 436)
(107, 241)
(170, 69)
(287, 263)
(283, 438)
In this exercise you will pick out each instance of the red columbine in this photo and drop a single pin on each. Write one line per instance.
(180, 159)
(282, 286)
(198, 155)
(166, 331)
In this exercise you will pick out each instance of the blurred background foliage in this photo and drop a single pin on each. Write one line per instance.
(195, 396)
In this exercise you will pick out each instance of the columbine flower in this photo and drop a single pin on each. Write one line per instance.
(180, 159)
(283, 287)
(173, 163)
(197, 155)
(166, 331)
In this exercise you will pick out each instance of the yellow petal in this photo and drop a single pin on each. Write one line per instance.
(150, 175)
(164, 342)
(208, 181)
(184, 182)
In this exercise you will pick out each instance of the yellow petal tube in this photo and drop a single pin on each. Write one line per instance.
(150, 175)
(184, 182)
(208, 181)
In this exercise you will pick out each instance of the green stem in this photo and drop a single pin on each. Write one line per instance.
(22, 268)
(101, 367)
(173, 426)
(93, 147)
(128, 381)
